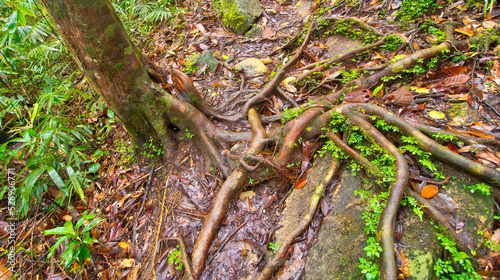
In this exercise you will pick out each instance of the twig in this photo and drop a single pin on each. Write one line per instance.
(158, 230)
(138, 215)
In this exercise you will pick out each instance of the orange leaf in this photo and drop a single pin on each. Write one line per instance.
(452, 147)
(300, 183)
(429, 191)
(404, 267)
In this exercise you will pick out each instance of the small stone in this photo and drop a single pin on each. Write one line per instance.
(251, 66)
(255, 31)
(267, 60)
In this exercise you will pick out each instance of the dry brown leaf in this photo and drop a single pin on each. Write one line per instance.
(401, 97)
(358, 96)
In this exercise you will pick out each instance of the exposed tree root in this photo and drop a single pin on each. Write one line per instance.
(361, 160)
(270, 87)
(388, 267)
(228, 191)
(484, 173)
(279, 256)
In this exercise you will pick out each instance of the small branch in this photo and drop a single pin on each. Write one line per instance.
(361, 160)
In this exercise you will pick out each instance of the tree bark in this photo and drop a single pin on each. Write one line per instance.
(102, 48)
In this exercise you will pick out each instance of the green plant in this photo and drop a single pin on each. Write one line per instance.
(175, 258)
(444, 269)
(412, 10)
(291, 113)
(79, 239)
(481, 187)
(392, 42)
(151, 150)
(371, 217)
(274, 247)
(190, 66)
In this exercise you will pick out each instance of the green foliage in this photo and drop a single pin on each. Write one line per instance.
(175, 257)
(445, 270)
(274, 247)
(417, 209)
(291, 113)
(349, 75)
(481, 187)
(78, 239)
(412, 10)
(392, 42)
(38, 79)
(423, 158)
(141, 17)
(151, 150)
(371, 217)
(190, 66)
(351, 30)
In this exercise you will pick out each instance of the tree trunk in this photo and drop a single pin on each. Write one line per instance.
(102, 48)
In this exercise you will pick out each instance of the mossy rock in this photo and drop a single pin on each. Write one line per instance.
(342, 238)
(239, 15)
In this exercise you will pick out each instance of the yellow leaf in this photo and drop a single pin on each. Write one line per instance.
(436, 115)
(420, 90)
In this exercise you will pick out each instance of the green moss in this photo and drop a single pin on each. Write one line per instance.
(350, 29)
(232, 17)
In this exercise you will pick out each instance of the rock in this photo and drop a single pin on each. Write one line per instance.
(256, 31)
(267, 60)
(239, 15)
(306, 7)
(339, 44)
(251, 66)
(207, 57)
(341, 238)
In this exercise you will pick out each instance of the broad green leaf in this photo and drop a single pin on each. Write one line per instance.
(58, 230)
(76, 183)
(57, 180)
(69, 255)
(94, 167)
(92, 224)
(58, 242)
(83, 253)
(12, 25)
(29, 181)
(25, 10)
(89, 241)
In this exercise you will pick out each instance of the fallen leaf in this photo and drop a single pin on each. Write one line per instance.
(429, 191)
(358, 96)
(467, 30)
(436, 115)
(404, 267)
(300, 183)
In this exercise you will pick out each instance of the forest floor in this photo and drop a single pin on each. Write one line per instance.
(146, 200)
